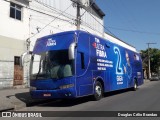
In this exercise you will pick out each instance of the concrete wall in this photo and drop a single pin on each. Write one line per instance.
(9, 48)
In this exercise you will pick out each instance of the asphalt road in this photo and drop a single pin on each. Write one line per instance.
(146, 98)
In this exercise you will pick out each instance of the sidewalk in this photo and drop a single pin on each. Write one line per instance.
(146, 80)
(16, 99)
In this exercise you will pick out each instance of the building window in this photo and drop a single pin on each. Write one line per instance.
(16, 60)
(15, 11)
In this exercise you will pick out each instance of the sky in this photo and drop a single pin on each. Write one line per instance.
(136, 22)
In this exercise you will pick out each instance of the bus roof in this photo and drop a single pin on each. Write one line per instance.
(106, 37)
(115, 41)
(119, 42)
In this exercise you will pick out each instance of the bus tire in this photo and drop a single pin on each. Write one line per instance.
(98, 91)
(135, 87)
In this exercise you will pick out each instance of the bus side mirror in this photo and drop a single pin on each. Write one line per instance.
(23, 56)
(71, 51)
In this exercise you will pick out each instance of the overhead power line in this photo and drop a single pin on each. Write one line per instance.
(69, 16)
(88, 7)
(124, 15)
(51, 21)
(129, 30)
(47, 15)
(103, 26)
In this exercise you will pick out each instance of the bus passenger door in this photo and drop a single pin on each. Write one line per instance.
(83, 74)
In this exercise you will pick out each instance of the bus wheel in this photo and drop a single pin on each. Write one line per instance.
(135, 87)
(98, 91)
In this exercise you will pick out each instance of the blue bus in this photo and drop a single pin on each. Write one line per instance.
(74, 64)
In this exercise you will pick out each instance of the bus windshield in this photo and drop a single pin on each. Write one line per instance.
(53, 64)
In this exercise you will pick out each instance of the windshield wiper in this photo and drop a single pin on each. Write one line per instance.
(39, 69)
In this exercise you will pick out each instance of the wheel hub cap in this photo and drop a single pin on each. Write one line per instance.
(98, 90)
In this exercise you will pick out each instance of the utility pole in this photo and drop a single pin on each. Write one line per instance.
(80, 4)
(78, 16)
(28, 41)
(149, 66)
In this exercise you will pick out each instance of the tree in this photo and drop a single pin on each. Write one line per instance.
(154, 59)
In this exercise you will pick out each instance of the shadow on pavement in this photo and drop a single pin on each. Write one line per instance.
(26, 99)
(73, 102)
(112, 93)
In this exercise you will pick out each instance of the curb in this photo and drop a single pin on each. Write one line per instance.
(18, 106)
(146, 80)
(6, 109)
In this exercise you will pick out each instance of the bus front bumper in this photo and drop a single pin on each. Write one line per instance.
(49, 94)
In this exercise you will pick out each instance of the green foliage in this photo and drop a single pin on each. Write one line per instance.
(154, 59)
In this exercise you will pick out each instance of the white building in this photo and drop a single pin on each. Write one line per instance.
(23, 21)
(52, 16)
(14, 30)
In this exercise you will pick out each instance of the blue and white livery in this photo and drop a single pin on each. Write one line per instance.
(76, 63)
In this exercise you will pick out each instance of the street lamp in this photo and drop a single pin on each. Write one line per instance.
(149, 66)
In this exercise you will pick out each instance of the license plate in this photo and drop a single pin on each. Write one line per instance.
(47, 95)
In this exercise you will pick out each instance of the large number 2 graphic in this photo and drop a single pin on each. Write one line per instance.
(119, 70)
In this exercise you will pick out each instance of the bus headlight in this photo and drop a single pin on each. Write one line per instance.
(32, 88)
(66, 86)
